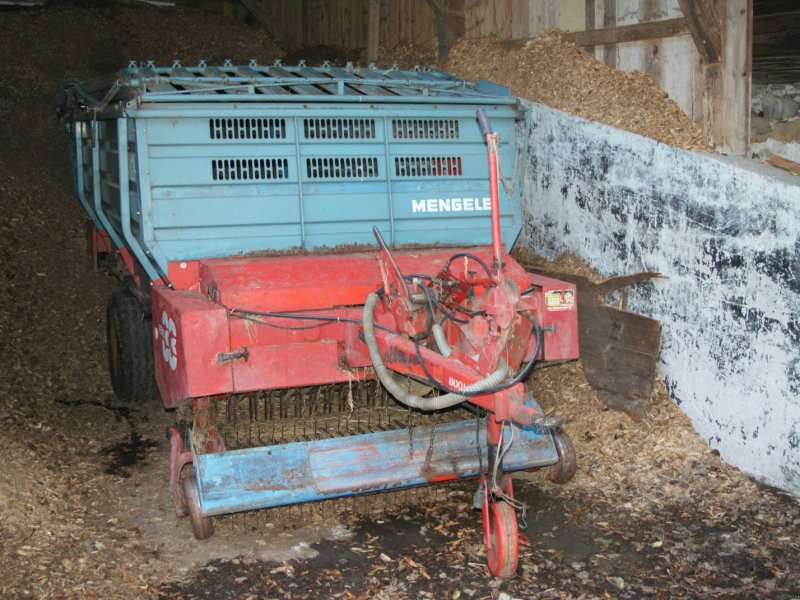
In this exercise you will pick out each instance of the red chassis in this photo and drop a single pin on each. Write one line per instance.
(205, 347)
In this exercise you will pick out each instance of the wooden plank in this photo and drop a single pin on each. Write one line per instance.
(590, 11)
(609, 21)
(619, 349)
(703, 21)
(774, 7)
(629, 33)
(784, 163)
(651, 10)
(776, 48)
(571, 15)
(373, 29)
(520, 10)
(262, 11)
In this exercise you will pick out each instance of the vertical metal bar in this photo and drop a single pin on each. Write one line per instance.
(146, 222)
(80, 178)
(125, 202)
(97, 189)
(387, 162)
(299, 184)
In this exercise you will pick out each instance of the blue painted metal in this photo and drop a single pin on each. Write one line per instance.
(272, 476)
(78, 165)
(131, 240)
(238, 159)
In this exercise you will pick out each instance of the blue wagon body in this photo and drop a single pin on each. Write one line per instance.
(239, 160)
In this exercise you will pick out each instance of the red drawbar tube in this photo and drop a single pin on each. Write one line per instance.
(494, 193)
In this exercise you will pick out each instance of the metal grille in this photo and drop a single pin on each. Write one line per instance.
(247, 129)
(257, 169)
(427, 166)
(425, 129)
(339, 129)
(342, 167)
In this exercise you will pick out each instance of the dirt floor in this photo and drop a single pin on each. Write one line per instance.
(653, 512)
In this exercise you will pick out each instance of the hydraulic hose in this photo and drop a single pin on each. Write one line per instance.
(387, 376)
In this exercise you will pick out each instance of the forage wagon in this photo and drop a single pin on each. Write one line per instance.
(315, 276)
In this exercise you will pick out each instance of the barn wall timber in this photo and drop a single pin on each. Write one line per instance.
(669, 61)
(344, 22)
(725, 233)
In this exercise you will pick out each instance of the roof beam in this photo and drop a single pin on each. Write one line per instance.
(629, 33)
(703, 21)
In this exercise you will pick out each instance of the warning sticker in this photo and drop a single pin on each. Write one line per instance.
(560, 300)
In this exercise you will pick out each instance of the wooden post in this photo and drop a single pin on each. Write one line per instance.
(609, 21)
(450, 23)
(590, 8)
(373, 30)
(725, 90)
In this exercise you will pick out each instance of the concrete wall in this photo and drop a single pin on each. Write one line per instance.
(725, 233)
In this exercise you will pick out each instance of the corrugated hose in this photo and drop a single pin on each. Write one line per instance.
(388, 378)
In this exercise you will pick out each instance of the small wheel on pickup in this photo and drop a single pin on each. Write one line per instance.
(502, 546)
(567, 464)
(202, 527)
(130, 348)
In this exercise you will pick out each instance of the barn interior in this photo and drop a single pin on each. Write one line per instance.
(661, 150)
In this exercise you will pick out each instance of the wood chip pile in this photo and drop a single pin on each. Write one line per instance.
(553, 71)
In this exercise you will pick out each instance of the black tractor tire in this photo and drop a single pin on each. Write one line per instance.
(129, 336)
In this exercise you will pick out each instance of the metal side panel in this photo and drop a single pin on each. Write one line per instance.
(306, 471)
(223, 183)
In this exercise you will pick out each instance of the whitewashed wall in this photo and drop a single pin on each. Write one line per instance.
(725, 233)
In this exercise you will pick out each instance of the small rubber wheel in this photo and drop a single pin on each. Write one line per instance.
(567, 464)
(502, 551)
(202, 527)
(129, 337)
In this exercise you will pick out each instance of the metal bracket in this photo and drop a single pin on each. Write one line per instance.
(241, 352)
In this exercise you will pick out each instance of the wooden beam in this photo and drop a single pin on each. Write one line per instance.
(373, 30)
(589, 9)
(450, 23)
(629, 33)
(703, 21)
(260, 10)
(726, 85)
(609, 22)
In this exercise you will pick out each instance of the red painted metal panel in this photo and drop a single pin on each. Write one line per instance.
(289, 365)
(308, 282)
(316, 285)
(188, 333)
(558, 309)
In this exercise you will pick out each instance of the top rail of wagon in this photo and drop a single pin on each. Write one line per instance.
(230, 83)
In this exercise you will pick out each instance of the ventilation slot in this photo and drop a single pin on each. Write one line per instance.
(425, 129)
(249, 169)
(346, 167)
(339, 129)
(247, 129)
(427, 166)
